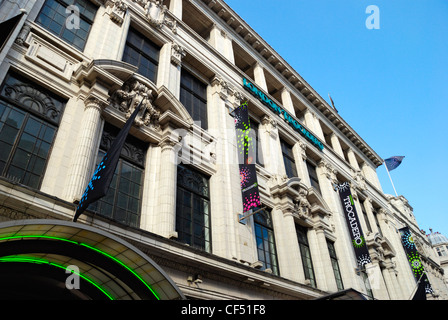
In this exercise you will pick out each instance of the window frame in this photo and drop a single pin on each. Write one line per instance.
(288, 159)
(186, 220)
(202, 99)
(137, 162)
(305, 253)
(335, 265)
(141, 52)
(263, 227)
(63, 27)
(46, 109)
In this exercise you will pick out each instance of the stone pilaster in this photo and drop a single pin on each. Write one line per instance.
(86, 149)
(166, 215)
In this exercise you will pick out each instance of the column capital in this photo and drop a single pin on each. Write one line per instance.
(94, 102)
(327, 169)
(177, 54)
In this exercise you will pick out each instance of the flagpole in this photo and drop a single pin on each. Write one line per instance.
(390, 179)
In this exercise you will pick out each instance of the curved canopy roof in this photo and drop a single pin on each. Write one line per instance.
(107, 266)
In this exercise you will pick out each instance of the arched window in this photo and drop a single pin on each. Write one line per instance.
(29, 117)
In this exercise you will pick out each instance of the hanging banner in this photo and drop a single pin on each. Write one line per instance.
(414, 258)
(357, 237)
(246, 159)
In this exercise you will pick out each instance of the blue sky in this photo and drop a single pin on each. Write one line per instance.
(390, 84)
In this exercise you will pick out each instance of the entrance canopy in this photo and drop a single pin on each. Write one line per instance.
(54, 259)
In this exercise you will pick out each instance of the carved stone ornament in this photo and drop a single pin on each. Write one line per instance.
(329, 171)
(157, 14)
(117, 10)
(301, 204)
(127, 98)
(177, 54)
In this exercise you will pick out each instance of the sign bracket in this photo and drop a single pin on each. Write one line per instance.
(247, 214)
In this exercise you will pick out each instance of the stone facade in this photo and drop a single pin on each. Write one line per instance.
(210, 41)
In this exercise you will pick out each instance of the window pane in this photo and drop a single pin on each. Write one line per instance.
(142, 53)
(53, 17)
(122, 201)
(192, 208)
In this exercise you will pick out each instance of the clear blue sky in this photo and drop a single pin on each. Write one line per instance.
(390, 84)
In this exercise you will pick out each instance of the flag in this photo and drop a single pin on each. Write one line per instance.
(420, 294)
(246, 159)
(332, 103)
(102, 177)
(415, 262)
(8, 28)
(393, 162)
(351, 217)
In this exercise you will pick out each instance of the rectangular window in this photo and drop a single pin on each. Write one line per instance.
(193, 208)
(313, 175)
(53, 17)
(366, 218)
(122, 202)
(305, 253)
(255, 137)
(377, 222)
(335, 265)
(142, 53)
(288, 159)
(193, 95)
(29, 116)
(264, 234)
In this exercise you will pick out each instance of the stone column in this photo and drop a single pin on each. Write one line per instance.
(150, 212)
(166, 215)
(170, 62)
(86, 149)
(260, 78)
(376, 280)
(391, 281)
(270, 141)
(288, 251)
(298, 151)
(225, 191)
(176, 8)
(336, 145)
(347, 262)
(287, 102)
(321, 260)
(352, 159)
(221, 42)
(309, 120)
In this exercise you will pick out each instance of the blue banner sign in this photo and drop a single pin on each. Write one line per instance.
(282, 113)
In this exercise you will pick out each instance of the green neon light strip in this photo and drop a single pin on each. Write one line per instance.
(41, 261)
(89, 247)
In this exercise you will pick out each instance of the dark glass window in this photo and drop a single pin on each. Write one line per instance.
(335, 265)
(264, 234)
(193, 208)
(54, 18)
(366, 218)
(123, 199)
(142, 53)
(377, 222)
(288, 159)
(255, 137)
(305, 252)
(193, 95)
(29, 116)
(313, 175)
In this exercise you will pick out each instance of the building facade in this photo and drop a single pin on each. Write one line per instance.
(73, 71)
